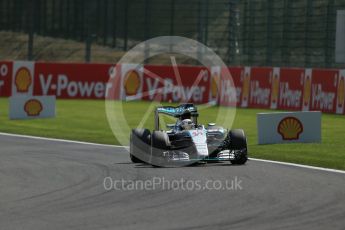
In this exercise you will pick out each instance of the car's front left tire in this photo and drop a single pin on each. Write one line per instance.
(159, 143)
(140, 142)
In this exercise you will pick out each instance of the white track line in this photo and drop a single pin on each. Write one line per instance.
(60, 140)
(299, 165)
(120, 146)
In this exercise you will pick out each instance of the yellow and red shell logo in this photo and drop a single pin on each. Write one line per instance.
(131, 82)
(290, 128)
(341, 92)
(23, 80)
(275, 88)
(307, 91)
(214, 84)
(33, 107)
(245, 89)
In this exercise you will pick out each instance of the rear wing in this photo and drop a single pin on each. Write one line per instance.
(175, 112)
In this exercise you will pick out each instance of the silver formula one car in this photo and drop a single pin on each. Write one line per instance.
(186, 142)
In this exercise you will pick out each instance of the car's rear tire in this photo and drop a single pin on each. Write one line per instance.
(159, 143)
(238, 143)
(140, 141)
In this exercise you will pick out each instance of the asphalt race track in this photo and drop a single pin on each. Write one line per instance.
(56, 185)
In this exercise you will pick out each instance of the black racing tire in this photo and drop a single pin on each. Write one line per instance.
(140, 141)
(160, 140)
(238, 143)
(159, 143)
(143, 134)
(134, 159)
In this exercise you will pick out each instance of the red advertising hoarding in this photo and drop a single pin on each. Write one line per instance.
(78, 81)
(323, 90)
(260, 87)
(176, 84)
(5, 78)
(231, 90)
(253, 87)
(291, 81)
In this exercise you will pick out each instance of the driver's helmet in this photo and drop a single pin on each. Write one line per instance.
(187, 124)
(186, 115)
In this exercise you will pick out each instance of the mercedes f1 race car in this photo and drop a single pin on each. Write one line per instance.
(186, 142)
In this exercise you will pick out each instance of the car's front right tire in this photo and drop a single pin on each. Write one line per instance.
(238, 143)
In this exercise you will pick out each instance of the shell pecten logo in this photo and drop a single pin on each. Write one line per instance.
(290, 128)
(131, 82)
(23, 80)
(33, 107)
